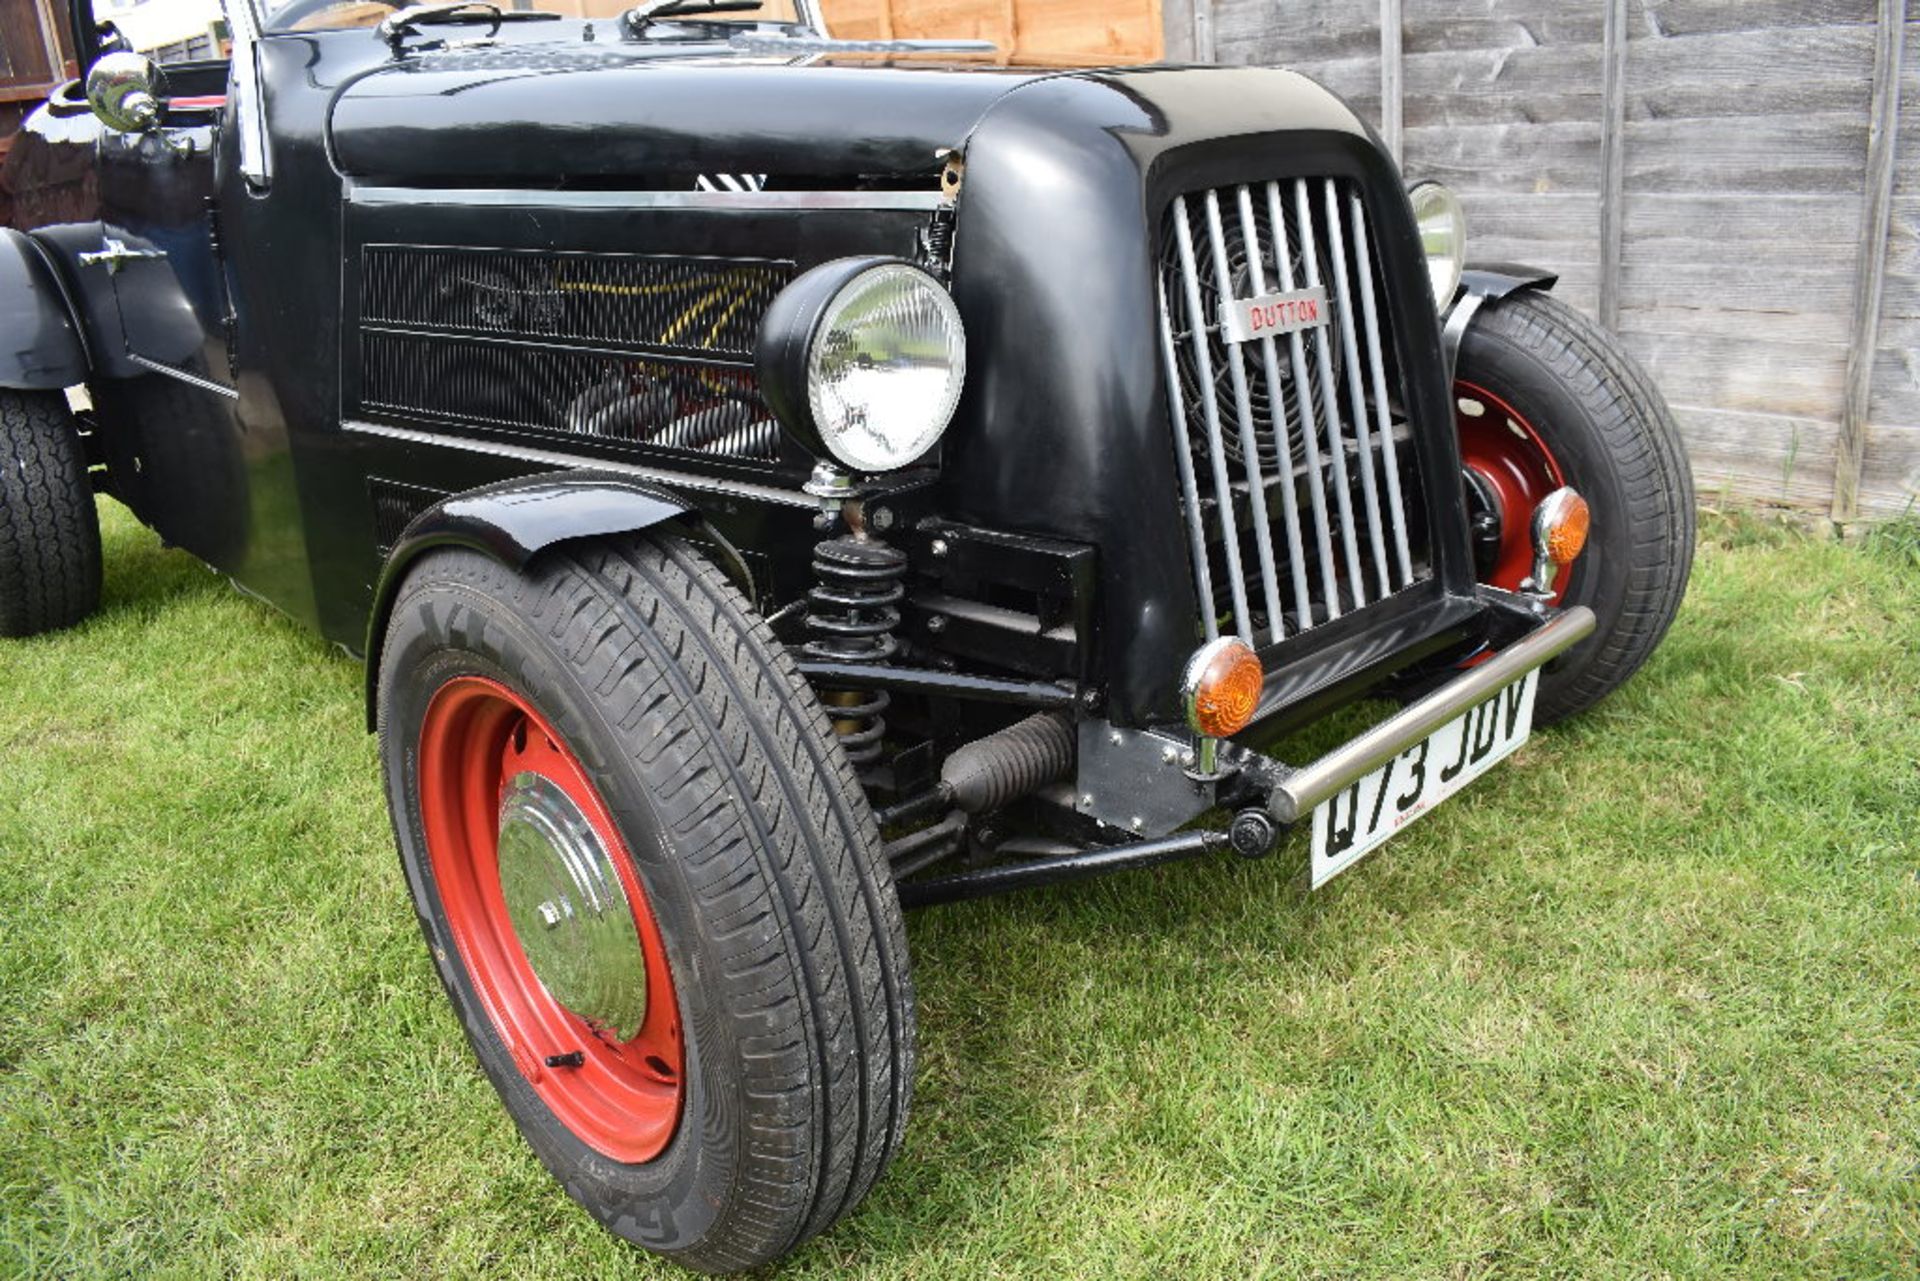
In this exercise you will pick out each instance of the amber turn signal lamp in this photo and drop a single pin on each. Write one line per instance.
(1221, 687)
(1560, 526)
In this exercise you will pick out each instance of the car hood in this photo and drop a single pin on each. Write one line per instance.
(507, 116)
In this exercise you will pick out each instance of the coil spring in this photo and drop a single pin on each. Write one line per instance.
(851, 616)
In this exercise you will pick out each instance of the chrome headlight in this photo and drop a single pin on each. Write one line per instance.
(1443, 237)
(864, 357)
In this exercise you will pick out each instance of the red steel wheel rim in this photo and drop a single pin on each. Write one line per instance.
(1501, 447)
(617, 1092)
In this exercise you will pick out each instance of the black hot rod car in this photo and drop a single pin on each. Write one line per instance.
(774, 481)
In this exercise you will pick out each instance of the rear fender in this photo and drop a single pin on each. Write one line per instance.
(512, 522)
(42, 348)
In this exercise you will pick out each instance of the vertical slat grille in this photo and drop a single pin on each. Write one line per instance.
(1299, 490)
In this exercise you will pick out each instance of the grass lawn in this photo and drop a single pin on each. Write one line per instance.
(1643, 1002)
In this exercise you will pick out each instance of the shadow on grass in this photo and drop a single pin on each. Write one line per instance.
(140, 573)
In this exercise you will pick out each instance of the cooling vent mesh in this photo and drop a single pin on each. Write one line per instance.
(691, 305)
(707, 409)
(481, 338)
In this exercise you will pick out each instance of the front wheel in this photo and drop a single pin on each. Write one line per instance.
(653, 889)
(1544, 398)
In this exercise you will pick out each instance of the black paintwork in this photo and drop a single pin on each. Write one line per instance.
(1495, 280)
(610, 112)
(528, 145)
(1056, 236)
(513, 521)
(40, 345)
(1057, 869)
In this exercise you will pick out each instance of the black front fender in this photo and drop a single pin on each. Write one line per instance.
(41, 347)
(1480, 284)
(513, 522)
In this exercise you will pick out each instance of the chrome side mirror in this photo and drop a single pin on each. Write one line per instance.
(124, 91)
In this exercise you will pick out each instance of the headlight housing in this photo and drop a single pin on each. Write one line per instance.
(1443, 237)
(864, 358)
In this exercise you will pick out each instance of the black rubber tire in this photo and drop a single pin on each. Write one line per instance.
(49, 529)
(756, 846)
(1609, 429)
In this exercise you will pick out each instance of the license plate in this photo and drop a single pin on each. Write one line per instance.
(1353, 823)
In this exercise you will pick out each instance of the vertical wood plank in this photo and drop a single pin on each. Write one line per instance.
(1176, 30)
(1392, 78)
(1613, 160)
(1206, 46)
(1871, 273)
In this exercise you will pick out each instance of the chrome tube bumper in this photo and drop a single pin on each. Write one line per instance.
(1299, 791)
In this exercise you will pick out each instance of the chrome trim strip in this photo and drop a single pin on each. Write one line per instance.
(1183, 458)
(1330, 401)
(1310, 426)
(689, 481)
(192, 380)
(1369, 485)
(1249, 443)
(1222, 488)
(1364, 255)
(1305, 788)
(751, 200)
(1282, 435)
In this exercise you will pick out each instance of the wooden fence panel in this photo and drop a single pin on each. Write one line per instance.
(1041, 32)
(1890, 480)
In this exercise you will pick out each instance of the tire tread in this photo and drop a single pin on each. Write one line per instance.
(49, 530)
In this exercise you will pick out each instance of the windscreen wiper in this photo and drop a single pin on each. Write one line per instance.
(397, 26)
(641, 14)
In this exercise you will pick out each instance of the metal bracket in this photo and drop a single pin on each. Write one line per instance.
(1459, 320)
(1135, 780)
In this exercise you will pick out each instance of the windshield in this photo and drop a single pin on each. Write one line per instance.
(330, 15)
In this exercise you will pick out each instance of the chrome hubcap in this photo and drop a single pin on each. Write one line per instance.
(569, 908)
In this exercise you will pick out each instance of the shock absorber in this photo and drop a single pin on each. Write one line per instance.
(851, 615)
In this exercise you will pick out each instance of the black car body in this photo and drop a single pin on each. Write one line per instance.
(349, 298)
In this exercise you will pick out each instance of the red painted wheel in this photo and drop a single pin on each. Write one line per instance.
(551, 919)
(1510, 469)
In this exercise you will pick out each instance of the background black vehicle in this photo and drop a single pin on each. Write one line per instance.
(756, 473)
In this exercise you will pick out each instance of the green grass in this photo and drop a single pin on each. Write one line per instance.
(1642, 1002)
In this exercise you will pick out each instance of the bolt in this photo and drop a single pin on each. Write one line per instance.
(1186, 758)
(881, 518)
(1116, 738)
(550, 914)
(1091, 700)
(1252, 833)
(1136, 822)
(1169, 755)
(571, 1059)
(1086, 800)
(937, 623)
(938, 547)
